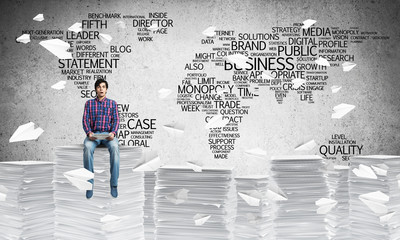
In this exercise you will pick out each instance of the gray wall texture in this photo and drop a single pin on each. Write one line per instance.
(28, 70)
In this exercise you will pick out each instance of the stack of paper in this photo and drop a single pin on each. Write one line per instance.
(375, 197)
(26, 202)
(253, 219)
(303, 181)
(337, 218)
(149, 184)
(194, 205)
(102, 216)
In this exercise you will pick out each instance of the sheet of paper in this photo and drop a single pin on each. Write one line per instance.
(39, 17)
(24, 38)
(297, 82)
(347, 66)
(151, 165)
(3, 193)
(200, 219)
(26, 132)
(60, 85)
(178, 197)
(249, 199)
(380, 169)
(322, 61)
(79, 183)
(80, 173)
(76, 27)
(274, 193)
(341, 110)
(239, 59)
(121, 24)
(335, 88)
(109, 218)
(209, 32)
(385, 218)
(194, 166)
(256, 152)
(105, 38)
(164, 93)
(308, 146)
(217, 122)
(57, 47)
(364, 171)
(308, 23)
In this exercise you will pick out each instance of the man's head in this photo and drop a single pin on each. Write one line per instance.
(101, 87)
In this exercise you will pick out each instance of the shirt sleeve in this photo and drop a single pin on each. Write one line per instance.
(115, 119)
(86, 119)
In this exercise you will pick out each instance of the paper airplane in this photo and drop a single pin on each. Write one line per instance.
(252, 198)
(200, 219)
(256, 152)
(341, 110)
(209, 32)
(79, 178)
(153, 27)
(24, 38)
(325, 205)
(364, 171)
(308, 146)
(174, 129)
(38, 17)
(297, 82)
(322, 61)
(307, 23)
(105, 38)
(216, 122)
(163, 93)
(26, 132)
(375, 201)
(347, 66)
(274, 193)
(151, 165)
(335, 88)
(195, 167)
(76, 27)
(60, 85)
(121, 24)
(57, 47)
(385, 218)
(267, 75)
(238, 59)
(380, 169)
(3, 193)
(178, 197)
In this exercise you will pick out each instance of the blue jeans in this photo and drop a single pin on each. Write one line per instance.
(88, 150)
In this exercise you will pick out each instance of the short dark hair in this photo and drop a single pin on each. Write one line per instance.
(100, 80)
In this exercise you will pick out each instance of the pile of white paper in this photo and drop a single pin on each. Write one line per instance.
(194, 205)
(375, 197)
(27, 204)
(253, 219)
(337, 219)
(102, 216)
(303, 181)
(149, 184)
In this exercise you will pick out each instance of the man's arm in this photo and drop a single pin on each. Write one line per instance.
(115, 119)
(86, 119)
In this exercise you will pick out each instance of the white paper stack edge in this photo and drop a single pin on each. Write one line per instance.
(195, 205)
(375, 197)
(102, 216)
(253, 220)
(302, 179)
(149, 184)
(338, 219)
(26, 204)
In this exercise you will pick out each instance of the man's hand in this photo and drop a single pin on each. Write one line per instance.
(111, 137)
(91, 137)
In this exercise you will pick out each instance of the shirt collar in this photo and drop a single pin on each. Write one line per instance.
(104, 99)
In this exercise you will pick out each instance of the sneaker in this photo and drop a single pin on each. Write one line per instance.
(89, 194)
(114, 191)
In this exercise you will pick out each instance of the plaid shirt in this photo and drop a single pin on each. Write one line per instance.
(100, 116)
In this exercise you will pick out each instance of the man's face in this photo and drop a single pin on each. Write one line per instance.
(101, 90)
